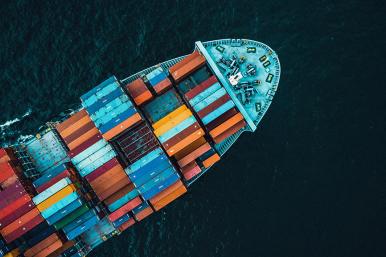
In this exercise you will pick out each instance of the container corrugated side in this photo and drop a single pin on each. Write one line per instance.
(207, 93)
(51, 190)
(71, 217)
(213, 106)
(221, 119)
(125, 209)
(211, 99)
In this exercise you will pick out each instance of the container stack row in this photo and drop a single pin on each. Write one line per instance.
(98, 233)
(187, 66)
(60, 205)
(18, 213)
(110, 108)
(139, 91)
(158, 80)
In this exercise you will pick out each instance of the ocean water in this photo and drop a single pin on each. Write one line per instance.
(309, 182)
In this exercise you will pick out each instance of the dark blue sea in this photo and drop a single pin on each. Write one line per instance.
(309, 182)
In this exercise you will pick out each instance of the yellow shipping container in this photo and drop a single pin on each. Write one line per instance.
(56, 197)
(173, 122)
(13, 253)
(169, 117)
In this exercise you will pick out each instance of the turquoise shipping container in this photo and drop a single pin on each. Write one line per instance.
(100, 103)
(82, 228)
(154, 73)
(51, 190)
(93, 157)
(210, 99)
(89, 151)
(160, 186)
(216, 113)
(157, 180)
(112, 82)
(97, 163)
(120, 202)
(204, 94)
(59, 205)
(48, 175)
(177, 129)
(80, 220)
(112, 114)
(104, 109)
(64, 211)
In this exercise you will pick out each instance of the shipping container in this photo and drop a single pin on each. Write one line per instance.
(162, 105)
(162, 86)
(86, 144)
(169, 117)
(181, 136)
(191, 170)
(9, 181)
(211, 99)
(79, 132)
(64, 212)
(79, 220)
(161, 185)
(48, 175)
(114, 187)
(71, 217)
(15, 213)
(72, 128)
(21, 221)
(186, 66)
(173, 122)
(103, 182)
(156, 165)
(227, 133)
(121, 220)
(194, 155)
(190, 148)
(213, 106)
(211, 160)
(95, 164)
(102, 169)
(22, 228)
(144, 160)
(154, 73)
(226, 125)
(82, 228)
(136, 88)
(185, 142)
(46, 251)
(14, 205)
(114, 121)
(102, 149)
(11, 193)
(60, 204)
(164, 193)
(125, 124)
(143, 98)
(106, 101)
(218, 112)
(71, 120)
(143, 214)
(7, 155)
(221, 119)
(6, 170)
(177, 129)
(56, 197)
(83, 138)
(51, 190)
(89, 151)
(125, 209)
(64, 174)
(123, 200)
(64, 250)
(215, 89)
(119, 194)
(169, 198)
(201, 87)
(112, 82)
(41, 245)
(126, 225)
(104, 116)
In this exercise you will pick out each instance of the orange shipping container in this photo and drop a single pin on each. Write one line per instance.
(56, 197)
(119, 194)
(123, 126)
(143, 214)
(60, 250)
(127, 224)
(113, 188)
(50, 249)
(70, 121)
(229, 132)
(166, 192)
(41, 245)
(211, 160)
(20, 221)
(104, 181)
(190, 148)
(83, 138)
(169, 198)
(185, 142)
(188, 68)
(226, 125)
(184, 61)
(143, 98)
(194, 155)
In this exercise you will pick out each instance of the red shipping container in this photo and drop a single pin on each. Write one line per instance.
(53, 180)
(21, 230)
(64, 247)
(162, 86)
(191, 170)
(17, 213)
(50, 249)
(194, 154)
(201, 87)
(86, 144)
(143, 214)
(79, 132)
(136, 88)
(221, 119)
(127, 224)
(6, 170)
(103, 182)
(119, 194)
(11, 193)
(19, 222)
(114, 188)
(14, 205)
(213, 106)
(9, 181)
(102, 169)
(41, 245)
(70, 121)
(125, 209)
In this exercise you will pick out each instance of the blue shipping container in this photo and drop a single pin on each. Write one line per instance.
(104, 118)
(157, 79)
(210, 99)
(157, 164)
(162, 185)
(89, 151)
(97, 163)
(100, 103)
(140, 208)
(216, 113)
(80, 220)
(117, 120)
(59, 205)
(48, 175)
(144, 160)
(157, 180)
(126, 198)
(64, 212)
(154, 73)
(177, 129)
(204, 94)
(94, 156)
(82, 228)
(51, 190)
(111, 106)
(94, 90)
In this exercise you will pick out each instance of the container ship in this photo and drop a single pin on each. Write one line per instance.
(130, 148)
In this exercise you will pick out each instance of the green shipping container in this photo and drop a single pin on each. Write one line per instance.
(69, 218)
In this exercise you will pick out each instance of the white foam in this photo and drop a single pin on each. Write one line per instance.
(10, 122)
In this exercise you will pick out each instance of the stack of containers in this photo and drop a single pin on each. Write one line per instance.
(186, 66)
(216, 109)
(158, 80)
(110, 108)
(53, 176)
(136, 142)
(152, 174)
(67, 249)
(45, 247)
(98, 233)
(142, 211)
(80, 223)
(139, 91)
(77, 130)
